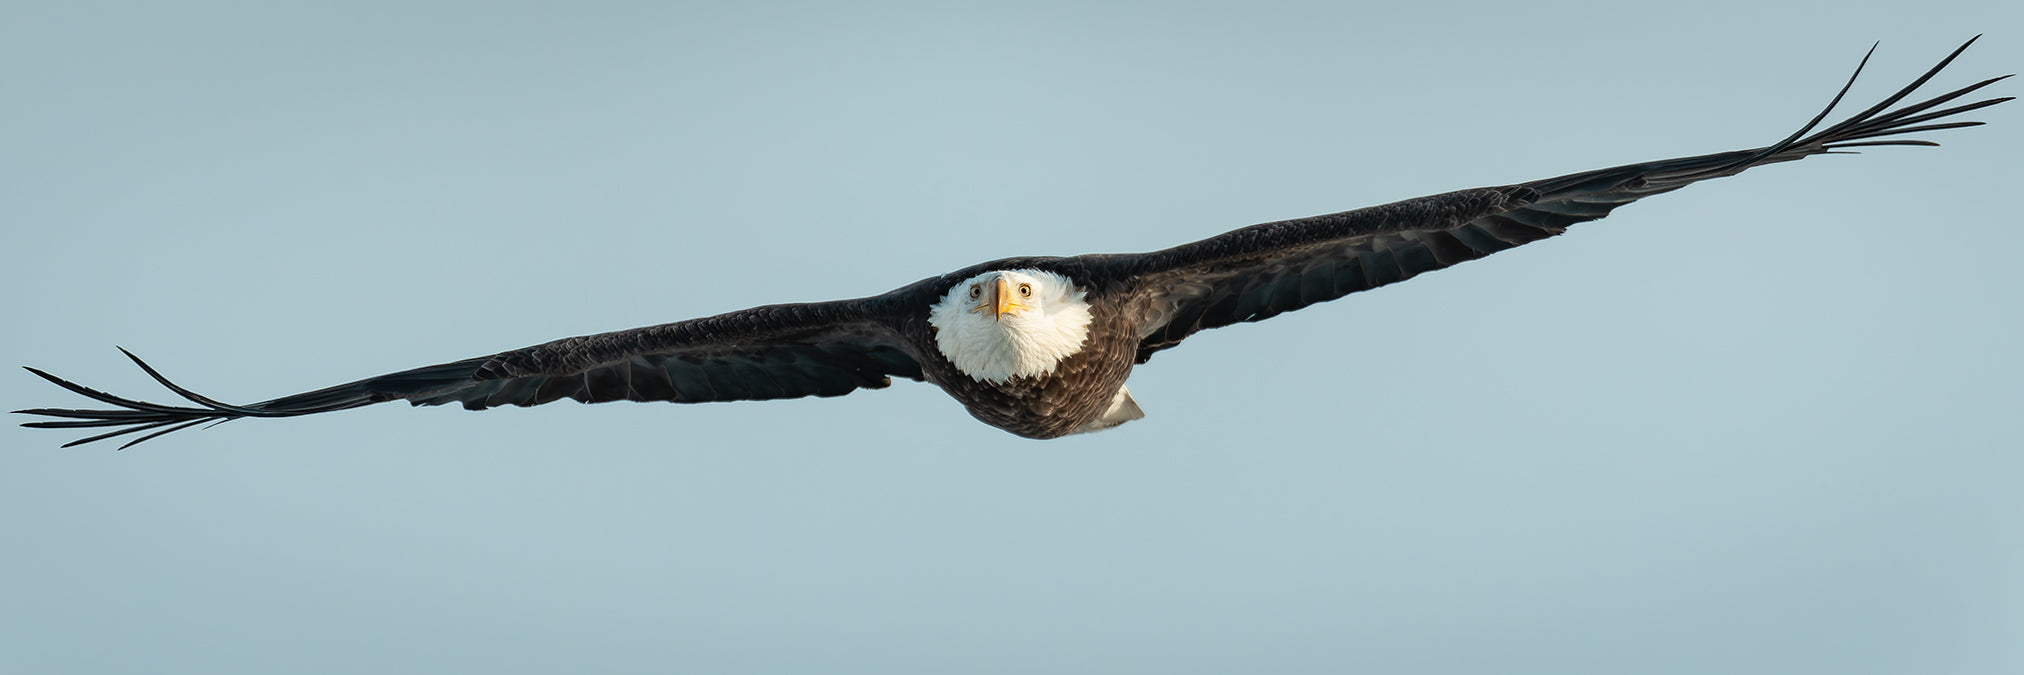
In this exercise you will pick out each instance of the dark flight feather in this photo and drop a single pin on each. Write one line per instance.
(779, 351)
(1257, 272)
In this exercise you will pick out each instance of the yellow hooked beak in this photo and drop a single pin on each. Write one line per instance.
(1000, 301)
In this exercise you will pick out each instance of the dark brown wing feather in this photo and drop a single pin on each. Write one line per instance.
(1260, 271)
(778, 351)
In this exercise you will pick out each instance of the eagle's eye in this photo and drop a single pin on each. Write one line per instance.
(976, 292)
(1025, 290)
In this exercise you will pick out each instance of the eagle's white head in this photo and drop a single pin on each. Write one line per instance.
(1010, 323)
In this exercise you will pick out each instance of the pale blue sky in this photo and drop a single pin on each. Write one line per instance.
(1769, 424)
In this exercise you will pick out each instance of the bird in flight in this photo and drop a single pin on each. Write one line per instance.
(1037, 346)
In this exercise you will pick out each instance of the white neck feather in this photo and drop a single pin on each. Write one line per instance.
(1025, 343)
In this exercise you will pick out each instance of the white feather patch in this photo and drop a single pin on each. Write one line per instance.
(1026, 343)
(1122, 409)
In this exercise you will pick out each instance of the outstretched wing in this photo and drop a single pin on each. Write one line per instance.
(777, 351)
(1260, 271)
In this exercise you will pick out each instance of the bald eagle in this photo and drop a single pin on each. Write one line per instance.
(1037, 346)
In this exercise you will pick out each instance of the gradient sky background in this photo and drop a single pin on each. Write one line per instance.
(1769, 424)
